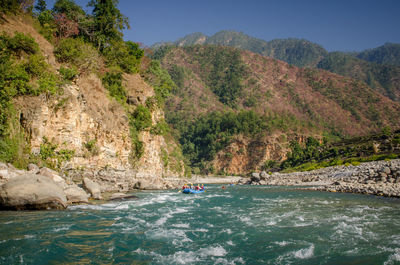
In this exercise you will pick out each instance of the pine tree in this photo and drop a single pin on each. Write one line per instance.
(109, 22)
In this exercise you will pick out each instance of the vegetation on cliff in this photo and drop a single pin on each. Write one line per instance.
(23, 71)
(84, 43)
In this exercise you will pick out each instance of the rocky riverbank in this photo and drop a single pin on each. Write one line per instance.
(376, 178)
(43, 188)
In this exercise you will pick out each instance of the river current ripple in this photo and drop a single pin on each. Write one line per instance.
(238, 225)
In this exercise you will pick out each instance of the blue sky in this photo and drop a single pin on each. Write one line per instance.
(337, 25)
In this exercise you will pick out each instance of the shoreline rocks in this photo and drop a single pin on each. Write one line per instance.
(381, 178)
(43, 188)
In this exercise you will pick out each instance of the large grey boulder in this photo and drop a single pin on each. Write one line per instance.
(76, 194)
(93, 188)
(145, 185)
(122, 196)
(44, 171)
(31, 192)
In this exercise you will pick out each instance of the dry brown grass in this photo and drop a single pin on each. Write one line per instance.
(23, 24)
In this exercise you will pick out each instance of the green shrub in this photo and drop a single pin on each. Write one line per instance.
(160, 80)
(68, 50)
(22, 43)
(113, 83)
(17, 80)
(68, 73)
(125, 55)
(77, 53)
(51, 157)
(36, 65)
(92, 147)
(47, 149)
(141, 118)
(161, 128)
(48, 83)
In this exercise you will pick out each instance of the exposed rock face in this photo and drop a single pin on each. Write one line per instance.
(93, 188)
(76, 194)
(34, 192)
(248, 154)
(54, 176)
(83, 114)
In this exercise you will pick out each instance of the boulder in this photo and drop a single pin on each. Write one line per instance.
(76, 194)
(93, 188)
(44, 171)
(263, 175)
(32, 192)
(122, 196)
(145, 185)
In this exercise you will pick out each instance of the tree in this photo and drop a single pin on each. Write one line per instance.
(109, 22)
(41, 6)
(70, 9)
(66, 27)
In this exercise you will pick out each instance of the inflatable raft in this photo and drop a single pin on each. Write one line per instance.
(192, 191)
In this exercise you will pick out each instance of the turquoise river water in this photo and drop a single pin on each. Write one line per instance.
(238, 225)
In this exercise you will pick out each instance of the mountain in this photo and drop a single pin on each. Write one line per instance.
(232, 109)
(378, 67)
(386, 54)
(298, 52)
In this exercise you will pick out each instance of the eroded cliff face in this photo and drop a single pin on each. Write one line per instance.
(85, 120)
(85, 114)
(244, 154)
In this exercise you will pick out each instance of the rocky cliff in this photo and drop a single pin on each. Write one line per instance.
(92, 127)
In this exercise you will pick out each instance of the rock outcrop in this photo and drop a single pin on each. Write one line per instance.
(76, 194)
(32, 192)
(93, 188)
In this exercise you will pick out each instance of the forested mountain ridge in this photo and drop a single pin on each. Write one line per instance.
(232, 109)
(378, 67)
(299, 52)
(389, 54)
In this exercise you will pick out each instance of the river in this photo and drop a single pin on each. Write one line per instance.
(238, 225)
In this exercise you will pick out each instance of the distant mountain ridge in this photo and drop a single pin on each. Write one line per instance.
(378, 67)
(299, 52)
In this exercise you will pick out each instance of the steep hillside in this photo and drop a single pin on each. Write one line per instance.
(383, 78)
(377, 67)
(287, 103)
(80, 127)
